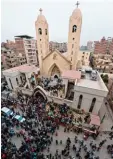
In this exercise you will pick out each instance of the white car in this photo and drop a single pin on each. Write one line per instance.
(73, 157)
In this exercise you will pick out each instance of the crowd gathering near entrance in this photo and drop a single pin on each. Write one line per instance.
(39, 130)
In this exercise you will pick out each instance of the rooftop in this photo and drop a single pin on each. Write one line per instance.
(22, 69)
(94, 84)
(71, 74)
(23, 36)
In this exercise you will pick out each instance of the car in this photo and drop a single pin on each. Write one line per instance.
(19, 118)
(7, 111)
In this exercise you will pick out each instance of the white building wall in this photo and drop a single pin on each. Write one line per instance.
(87, 100)
(13, 81)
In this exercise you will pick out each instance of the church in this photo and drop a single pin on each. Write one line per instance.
(55, 63)
(82, 88)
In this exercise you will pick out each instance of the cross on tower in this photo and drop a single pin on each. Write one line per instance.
(40, 11)
(77, 4)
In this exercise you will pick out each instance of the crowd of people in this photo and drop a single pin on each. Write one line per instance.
(54, 86)
(64, 115)
(37, 133)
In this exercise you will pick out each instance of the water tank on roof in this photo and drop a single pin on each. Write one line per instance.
(94, 75)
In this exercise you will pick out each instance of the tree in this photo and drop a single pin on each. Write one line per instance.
(105, 78)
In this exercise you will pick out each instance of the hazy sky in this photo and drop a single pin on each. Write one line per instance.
(18, 17)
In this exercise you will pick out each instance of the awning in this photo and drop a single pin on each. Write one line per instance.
(95, 120)
(71, 74)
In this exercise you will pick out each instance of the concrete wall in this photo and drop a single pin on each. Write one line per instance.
(83, 56)
(65, 82)
(87, 100)
(59, 100)
(13, 81)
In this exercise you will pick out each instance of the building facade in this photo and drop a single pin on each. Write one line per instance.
(90, 45)
(26, 45)
(103, 63)
(83, 58)
(20, 76)
(57, 62)
(10, 59)
(61, 47)
(104, 46)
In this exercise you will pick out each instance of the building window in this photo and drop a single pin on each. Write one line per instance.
(72, 53)
(72, 45)
(74, 28)
(71, 58)
(92, 105)
(73, 38)
(40, 39)
(21, 79)
(40, 31)
(83, 52)
(17, 81)
(80, 101)
(46, 31)
(82, 56)
(10, 83)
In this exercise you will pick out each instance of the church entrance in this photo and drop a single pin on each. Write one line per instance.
(55, 71)
(56, 76)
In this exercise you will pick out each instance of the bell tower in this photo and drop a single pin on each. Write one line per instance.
(42, 36)
(75, 23)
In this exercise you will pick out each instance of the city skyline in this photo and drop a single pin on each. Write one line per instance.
(23, 15)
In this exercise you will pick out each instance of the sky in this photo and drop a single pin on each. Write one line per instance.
(18, 17)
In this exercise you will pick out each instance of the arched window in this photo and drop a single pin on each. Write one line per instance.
(80, 101)
(46, 31)
(10, 83)
(21, 79)
(92, 105)
(17, 81)
(74, 29)
(40, 31)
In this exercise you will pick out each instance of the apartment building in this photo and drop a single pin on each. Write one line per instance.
(9, 59)
(104, 46)
(62, 47)
(90, 45)
(26, 45)
(103, 63)
(83, 57)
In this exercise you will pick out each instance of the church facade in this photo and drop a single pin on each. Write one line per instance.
(54, 63)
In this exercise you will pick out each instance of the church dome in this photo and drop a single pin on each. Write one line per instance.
(77, 13)
(41, 17)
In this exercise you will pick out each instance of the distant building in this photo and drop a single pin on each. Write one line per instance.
(103, 63)
(83, 48)
(62, 47)
(83, 58)
(104, 46)
(90, 45)
(26, 45)
(9, 59)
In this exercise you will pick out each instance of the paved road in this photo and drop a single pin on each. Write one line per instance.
(63, 136)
